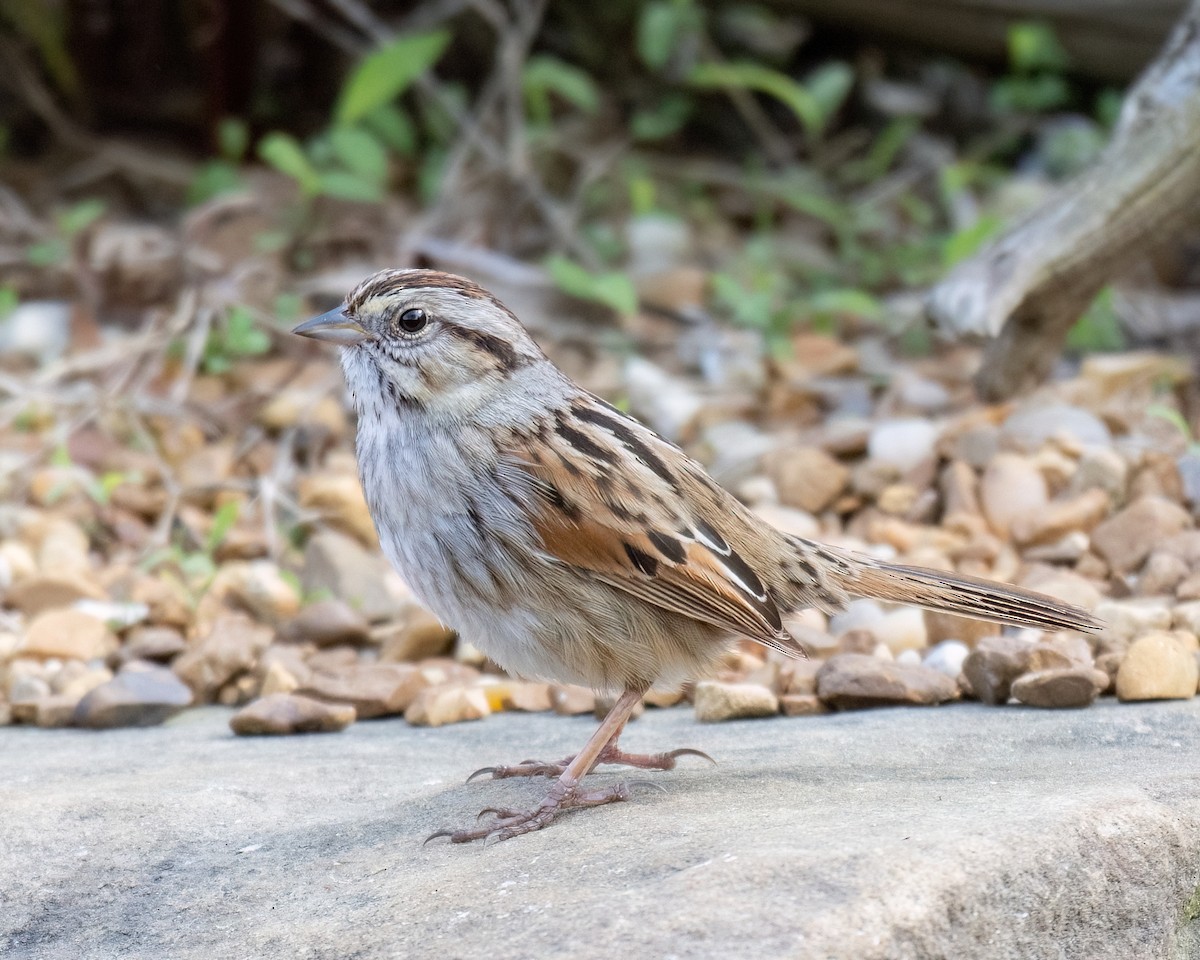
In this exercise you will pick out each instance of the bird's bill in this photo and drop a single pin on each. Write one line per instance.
(333, 326)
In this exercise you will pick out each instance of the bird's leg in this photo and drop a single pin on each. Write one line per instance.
(611, 754)
(566, 793)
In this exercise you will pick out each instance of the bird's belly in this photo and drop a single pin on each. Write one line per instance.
(464, 545)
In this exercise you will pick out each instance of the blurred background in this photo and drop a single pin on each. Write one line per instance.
(917, 277)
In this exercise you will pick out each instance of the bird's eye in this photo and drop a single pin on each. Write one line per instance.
(413, 320)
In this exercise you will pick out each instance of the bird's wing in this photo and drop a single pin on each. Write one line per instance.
(610, 497)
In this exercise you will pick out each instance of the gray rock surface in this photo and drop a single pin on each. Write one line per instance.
(960, 831)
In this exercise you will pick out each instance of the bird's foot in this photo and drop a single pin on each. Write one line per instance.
(611, 754)
(563, 796)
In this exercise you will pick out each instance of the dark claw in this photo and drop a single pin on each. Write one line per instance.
(645, 783)
(481, 771)
(439, 833)
(689, 752)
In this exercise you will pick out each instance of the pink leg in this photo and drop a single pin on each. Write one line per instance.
(565, 794)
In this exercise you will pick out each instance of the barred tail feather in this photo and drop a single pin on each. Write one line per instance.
(961, 594)
(826, 577)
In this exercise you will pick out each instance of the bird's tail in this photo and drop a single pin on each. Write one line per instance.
(855, 575)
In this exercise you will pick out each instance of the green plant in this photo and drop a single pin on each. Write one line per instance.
(1099, 328)
(55, 250)
(238, 335)
(221, 175)
(613, 289)
(1037, 61)
(350, 159)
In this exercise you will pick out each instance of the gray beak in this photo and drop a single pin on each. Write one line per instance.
(333, 326)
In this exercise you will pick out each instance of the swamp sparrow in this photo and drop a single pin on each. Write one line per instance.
(565, 539)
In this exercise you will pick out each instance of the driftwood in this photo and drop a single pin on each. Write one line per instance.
(1027, 288)
(1106, 39)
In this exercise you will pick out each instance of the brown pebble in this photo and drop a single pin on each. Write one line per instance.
(285, 713)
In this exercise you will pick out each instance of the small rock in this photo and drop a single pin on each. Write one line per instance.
(1012, 488)
(570, 700)
(45, 591)
(141, 695)
(56, 710)
(1059, 687)
(807, 477)
(152, 643)
(1067, 549)
(859, 614)
(1186, 616)
(1161, 573)
(277, 678)
(1035, 424)
(1065, 585)
(68, 635)
(656, 697)
(1157, 667)
(1102, 468)
(1060, 517)
(436, 706)
(373, 689)
(420, 636)
(796, 522)
(518, 695)
(993, 665)
(801, 705)
(903, 444)
(75, 680)
(338, 564)
(339, 499)
(1126, 539)
(1188, 588)
(1189, 474)
(853, 681)
(803, 676)
(715, 701)
(261, 588)
(285, 713)
(232, 646)
(1128, 619)
(118, 616)
(948, 626)
(326, 623)
(902, 629)
(947, 657)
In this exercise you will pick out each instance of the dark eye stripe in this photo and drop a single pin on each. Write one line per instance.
(499, 348)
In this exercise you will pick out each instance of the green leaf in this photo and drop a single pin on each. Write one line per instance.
(829, 85)
(663, 120)
(233, 137)
(1033, 46)
(283, 152)
(1099, 329)
(243, 337)
(345, 185)
(394, 128)
(387, 72)
(545, 74)
(1172, 416)
(213, 179)
(223, 521)
(9, 300)
(613, 289)
(846, 302)
(46, 253)
(760, 79)
(658, 27)
(360, 153)
(78, 217)
(965, 242)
